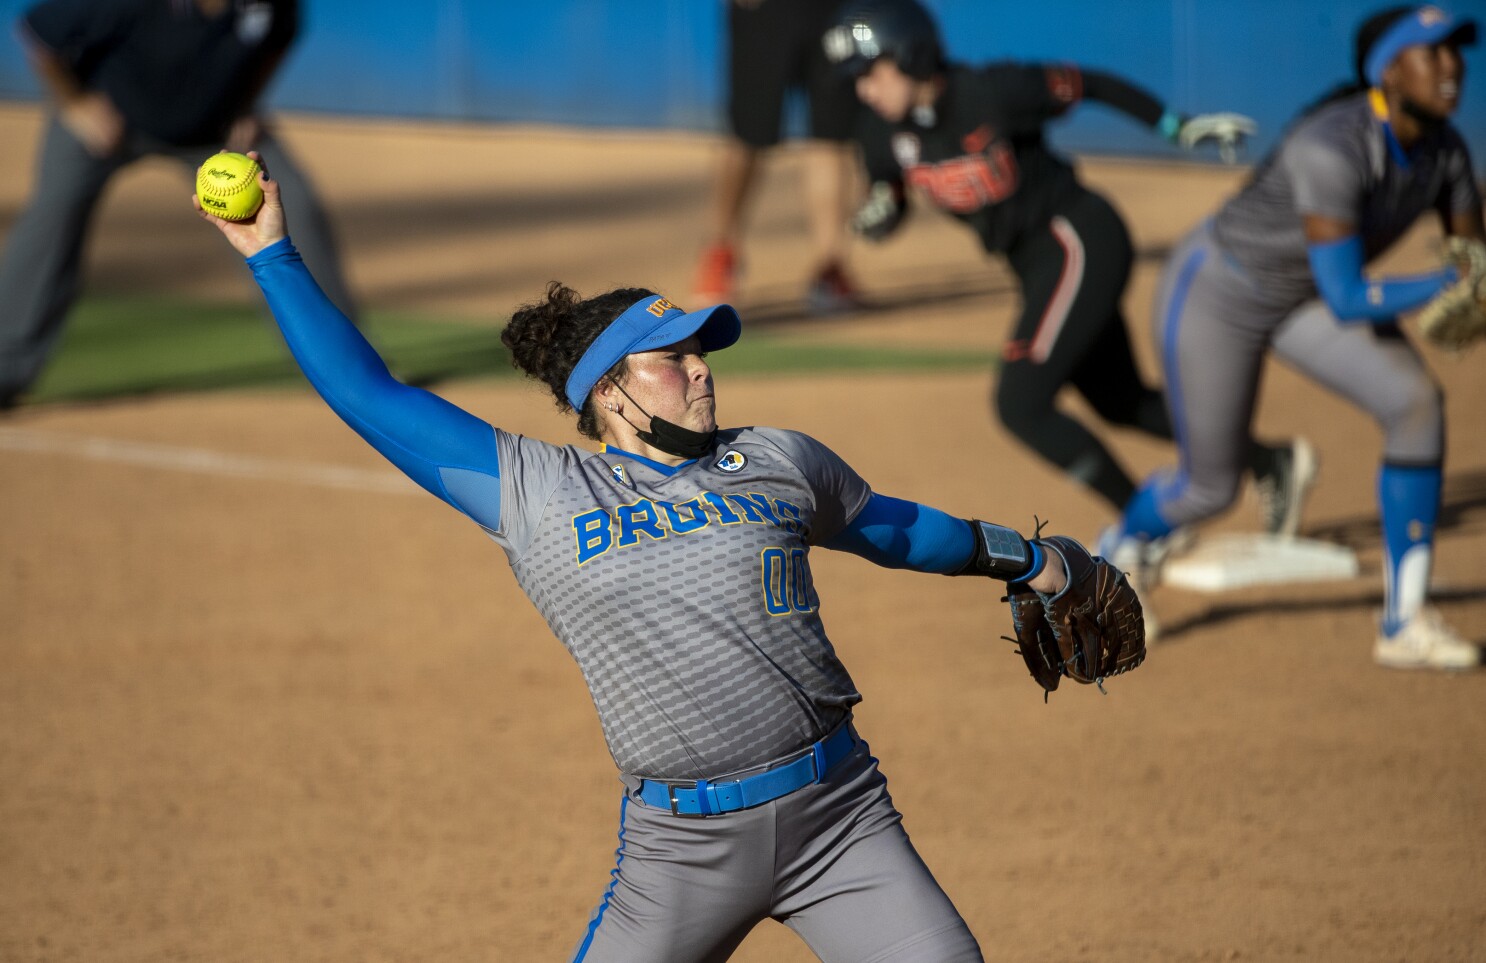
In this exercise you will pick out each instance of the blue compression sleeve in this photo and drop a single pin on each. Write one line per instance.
(1337, 267)
(418, 432)
(900, 534)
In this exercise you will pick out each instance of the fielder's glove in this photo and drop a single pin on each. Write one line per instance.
(1227, 130)
(1456, 317)
(1091, 630)
(881, 213)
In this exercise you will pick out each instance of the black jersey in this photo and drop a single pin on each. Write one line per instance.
(174, 71)
(984, 159)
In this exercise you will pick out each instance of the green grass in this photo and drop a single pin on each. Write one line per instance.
(130, 346)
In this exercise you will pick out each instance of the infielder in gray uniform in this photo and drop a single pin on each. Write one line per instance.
(674, 565)
(1280, 267)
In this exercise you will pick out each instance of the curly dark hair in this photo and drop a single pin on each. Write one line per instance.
(547, 338)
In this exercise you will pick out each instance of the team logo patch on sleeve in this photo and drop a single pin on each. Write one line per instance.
(731, 462)
(978, 139)
(619, 474)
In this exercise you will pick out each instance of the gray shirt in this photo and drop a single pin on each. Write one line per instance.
(686, 598)
(1338, 162)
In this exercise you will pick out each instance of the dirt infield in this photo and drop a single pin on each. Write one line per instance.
(251, 710)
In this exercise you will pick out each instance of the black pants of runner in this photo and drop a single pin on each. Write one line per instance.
(1072, 332)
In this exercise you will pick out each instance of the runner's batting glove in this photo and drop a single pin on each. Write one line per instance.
(881, 213)
(1227, 130)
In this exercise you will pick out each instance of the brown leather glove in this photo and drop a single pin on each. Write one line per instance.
(1456, 317)
(1090, 631)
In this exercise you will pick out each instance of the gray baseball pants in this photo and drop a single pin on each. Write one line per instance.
(40, 269)
(1214, 325)
(831, 861)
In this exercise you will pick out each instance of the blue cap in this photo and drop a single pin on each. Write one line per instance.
(1426, 25)
(649, 323)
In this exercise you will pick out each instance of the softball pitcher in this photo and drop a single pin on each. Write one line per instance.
(970, 139)
(673, 564)
(1280, 267)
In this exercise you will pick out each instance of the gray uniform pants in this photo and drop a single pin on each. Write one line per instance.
(39, 272)
(1214, 325)
(831, 861)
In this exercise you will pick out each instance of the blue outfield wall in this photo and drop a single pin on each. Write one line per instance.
(659, 63)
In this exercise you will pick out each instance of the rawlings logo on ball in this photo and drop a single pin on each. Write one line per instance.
(227, 186)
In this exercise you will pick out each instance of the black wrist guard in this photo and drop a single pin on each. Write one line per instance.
(1001, 553)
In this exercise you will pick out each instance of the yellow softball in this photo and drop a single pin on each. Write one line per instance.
(227, 186)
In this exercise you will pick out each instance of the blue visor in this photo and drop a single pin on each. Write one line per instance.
(1425, 26)
(648, 324)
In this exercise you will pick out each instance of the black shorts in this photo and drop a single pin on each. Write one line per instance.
(774, 47)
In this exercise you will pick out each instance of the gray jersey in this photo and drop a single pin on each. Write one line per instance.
(687, 598)
(1338, 163)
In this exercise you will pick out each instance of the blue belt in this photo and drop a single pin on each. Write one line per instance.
(703, 798)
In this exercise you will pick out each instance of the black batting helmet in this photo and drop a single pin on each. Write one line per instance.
(901, 30)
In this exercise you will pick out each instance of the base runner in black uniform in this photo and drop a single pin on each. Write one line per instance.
(970, 139)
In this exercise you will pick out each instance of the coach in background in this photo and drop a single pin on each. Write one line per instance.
(970, 140)
(176, 78)
(774, 47)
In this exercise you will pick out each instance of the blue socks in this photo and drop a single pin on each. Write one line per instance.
(1409, 502)
(1142, 519)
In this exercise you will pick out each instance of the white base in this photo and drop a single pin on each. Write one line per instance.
(1231, 561)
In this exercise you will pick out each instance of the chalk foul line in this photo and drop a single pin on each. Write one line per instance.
(206, 462)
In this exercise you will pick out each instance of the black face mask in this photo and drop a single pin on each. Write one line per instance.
(676, 440)
(670, 437)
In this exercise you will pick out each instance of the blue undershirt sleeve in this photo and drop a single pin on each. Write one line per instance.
(1337, 267)
(417, 431)
(900, 534)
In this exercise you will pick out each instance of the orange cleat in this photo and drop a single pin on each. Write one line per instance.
(832, 292)
(717, 275)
